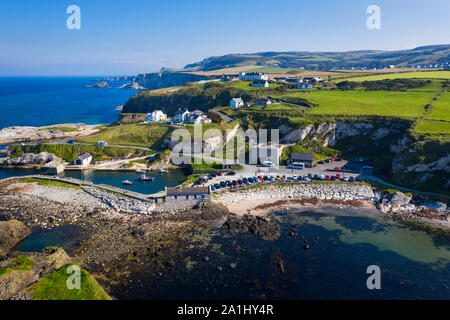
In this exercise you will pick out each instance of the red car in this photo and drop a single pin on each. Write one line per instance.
(338, 176)
(337, 168)
(327, 177)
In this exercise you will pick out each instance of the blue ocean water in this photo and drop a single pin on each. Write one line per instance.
(39, 101)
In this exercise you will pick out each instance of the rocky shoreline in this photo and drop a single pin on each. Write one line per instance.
(267, 199)
(57, 131)
(130, 245)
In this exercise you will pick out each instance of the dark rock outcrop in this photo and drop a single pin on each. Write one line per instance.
(17, 278)
(261, 227)
(11, 233)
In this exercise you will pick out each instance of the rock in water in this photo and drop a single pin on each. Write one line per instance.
(259, 226)
(11, 233)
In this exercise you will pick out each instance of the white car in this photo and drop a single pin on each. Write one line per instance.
(294, 177)
(268, 164)
(322, 177)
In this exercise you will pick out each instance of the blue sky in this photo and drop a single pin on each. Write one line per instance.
(137, 36)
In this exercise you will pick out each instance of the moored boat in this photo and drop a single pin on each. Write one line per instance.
(127, 183)
(163, 170)
(143, 178)
(140, 171)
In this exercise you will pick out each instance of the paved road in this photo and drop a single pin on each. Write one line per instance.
(224, 116)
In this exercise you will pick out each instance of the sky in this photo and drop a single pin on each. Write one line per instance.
(127, 37)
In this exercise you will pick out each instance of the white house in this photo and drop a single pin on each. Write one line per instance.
(303, 86)
(156, 116)
(83, 160)
(253, 76)
(237, 102)
(181, 115)
(263, 102)
(260, 83)
(202, 119)
(198, 117)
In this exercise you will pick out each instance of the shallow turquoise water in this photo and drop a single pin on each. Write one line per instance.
(115, 178)
(414, 264)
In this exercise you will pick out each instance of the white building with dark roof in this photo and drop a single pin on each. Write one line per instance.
(83, 160)
(237, 103)
(156, 116)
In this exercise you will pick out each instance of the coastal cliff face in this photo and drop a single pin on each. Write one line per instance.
(166, 79)
(400, 156)
(11, 233)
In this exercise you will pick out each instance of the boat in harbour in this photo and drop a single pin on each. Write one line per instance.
(127, 183)
(163, 170)
(140, 171)
(143, 178)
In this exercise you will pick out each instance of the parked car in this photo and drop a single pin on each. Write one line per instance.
(351, 179)
(345, 179)
(231, 173)
(310, 176)
(327, 177)
(306, 177)
(294, 177)
(217, 186)
(300, 178)
(333, 178)
(316, 177)
(212, 188)
(337, 168)
(219, 174)
(322, 177)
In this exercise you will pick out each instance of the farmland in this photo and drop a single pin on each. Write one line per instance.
(382, 103)
(405, 75)
(133, 135)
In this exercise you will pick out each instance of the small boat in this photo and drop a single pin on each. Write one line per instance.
(143, 178)
(163, 170)
(127, 183)
(140, 171)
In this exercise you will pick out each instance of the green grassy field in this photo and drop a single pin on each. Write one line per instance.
(246, 85)
(54, 287)
(440, 109)
(70, 152)
(50, 183)
(382, 103)
(147, 135)
(432, 127)
(405, 75)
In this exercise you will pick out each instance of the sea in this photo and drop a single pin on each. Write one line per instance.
(41, 101)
